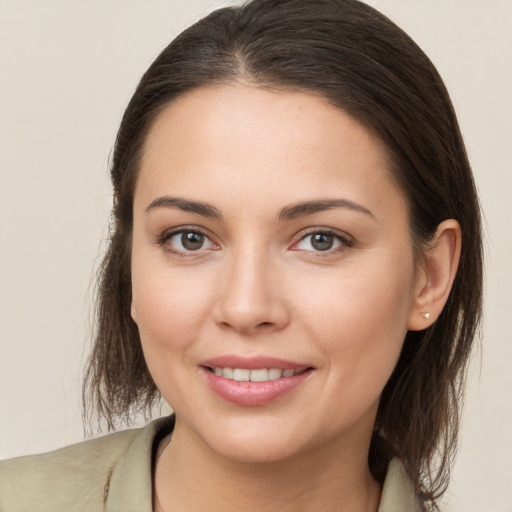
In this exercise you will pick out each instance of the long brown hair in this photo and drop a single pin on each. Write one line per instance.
(362, 63)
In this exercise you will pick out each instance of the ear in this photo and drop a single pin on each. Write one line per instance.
(436, 275)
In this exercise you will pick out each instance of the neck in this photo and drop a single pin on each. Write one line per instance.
(189, 476)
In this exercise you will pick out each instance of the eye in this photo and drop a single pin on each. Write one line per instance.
(185, 241)
(321, 241)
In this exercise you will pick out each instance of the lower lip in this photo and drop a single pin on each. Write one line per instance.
(253, 393)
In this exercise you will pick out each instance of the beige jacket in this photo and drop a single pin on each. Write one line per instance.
(113, 474)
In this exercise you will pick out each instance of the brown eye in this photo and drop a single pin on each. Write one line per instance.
(322, 241)
(188, 241)
(192, 241)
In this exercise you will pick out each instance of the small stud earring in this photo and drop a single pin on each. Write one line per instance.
(426, 316)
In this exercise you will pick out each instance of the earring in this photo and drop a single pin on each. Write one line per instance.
(426, 316)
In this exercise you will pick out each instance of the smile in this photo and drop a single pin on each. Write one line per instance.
(257, 385)
(255, 375)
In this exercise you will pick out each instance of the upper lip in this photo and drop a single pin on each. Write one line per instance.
(252, 363)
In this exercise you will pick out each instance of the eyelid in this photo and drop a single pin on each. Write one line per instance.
(345, 239)
(168, 234)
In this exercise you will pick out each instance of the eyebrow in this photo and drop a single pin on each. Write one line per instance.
(287, 213)
(310, 207)
(204, 209)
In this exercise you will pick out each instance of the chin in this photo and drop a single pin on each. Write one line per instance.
(251, 438)
(257, 449)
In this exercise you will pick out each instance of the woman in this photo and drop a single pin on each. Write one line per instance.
(295, 267)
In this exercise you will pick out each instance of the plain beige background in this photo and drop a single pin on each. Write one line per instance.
(67, 70)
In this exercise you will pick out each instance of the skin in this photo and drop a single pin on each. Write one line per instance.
(259, 287)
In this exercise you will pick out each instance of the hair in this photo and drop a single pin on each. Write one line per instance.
(362, 63)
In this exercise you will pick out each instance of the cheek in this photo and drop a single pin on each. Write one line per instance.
(376, 295)
(168, 307)
(169, 311)
(170, 303)
(359, 321)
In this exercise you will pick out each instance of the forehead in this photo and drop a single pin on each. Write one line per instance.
(260, 142)
(261, 117)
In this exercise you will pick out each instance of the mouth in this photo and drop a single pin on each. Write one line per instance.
(254, 381)
(256, 374)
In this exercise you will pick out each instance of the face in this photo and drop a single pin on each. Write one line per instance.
(273, 271)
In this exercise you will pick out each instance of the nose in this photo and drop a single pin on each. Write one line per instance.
(251, 297)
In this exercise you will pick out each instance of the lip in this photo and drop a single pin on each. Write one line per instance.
(251, 394)
(252, 363)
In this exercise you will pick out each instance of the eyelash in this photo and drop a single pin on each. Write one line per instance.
(162, 241)
(345, 241)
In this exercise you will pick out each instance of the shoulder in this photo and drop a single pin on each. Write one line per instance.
(70, 476)
(74, 478)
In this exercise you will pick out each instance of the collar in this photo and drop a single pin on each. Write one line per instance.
(128, 485)
(398, 491)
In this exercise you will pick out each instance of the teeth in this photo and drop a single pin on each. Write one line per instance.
(241, 375)
(259, 375)
(275, 373)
